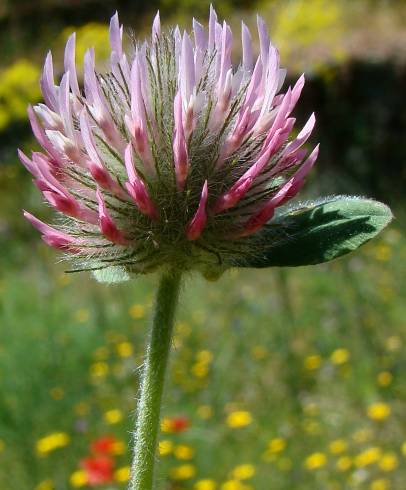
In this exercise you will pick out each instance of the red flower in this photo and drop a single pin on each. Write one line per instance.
(98, 469)
(104, 445)
(180, 424)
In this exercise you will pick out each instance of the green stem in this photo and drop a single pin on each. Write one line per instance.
(149, 406)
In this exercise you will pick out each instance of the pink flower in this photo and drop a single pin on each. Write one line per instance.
(172, 157)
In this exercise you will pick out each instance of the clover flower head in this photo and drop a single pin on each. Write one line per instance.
(172, 157)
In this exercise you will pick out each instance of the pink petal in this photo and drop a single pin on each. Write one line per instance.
(180, 154)
(156, 26)
(48, 84)
(199, 220)
(136, 187)
(247, 56)
(51, 236)
(107, 225)
(116, 36)
(70, 64)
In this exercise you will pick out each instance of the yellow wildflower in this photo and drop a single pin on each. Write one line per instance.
(78, 479)
(51, 442)
(205, 485)
(204, 356)
(82, 315)
(113, 416)
(393, 343)
(344, 463)
(380, 484)
(379, 411)
(137, 311)
(243, 472)
(313, 362)
(315, 461)
(165, 447)
(45, 485)
(57, 393)
(340, 356)
(182, 451)
(200, 370)
(238, 419)
(183, 472)
(205, 412)
(384, 378)
(124, 349)
(338, 446)
(388, 462)
(259, 352)
(122, 474)
(234, 485)
(276, 445)
(367, 457)
(99, 369)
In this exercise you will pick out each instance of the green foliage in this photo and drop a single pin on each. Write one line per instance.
(323, 231)
(308, 352)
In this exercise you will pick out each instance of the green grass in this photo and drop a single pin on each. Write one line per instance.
(63, 365)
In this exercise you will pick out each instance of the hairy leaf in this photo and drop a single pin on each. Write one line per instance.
(320, 231)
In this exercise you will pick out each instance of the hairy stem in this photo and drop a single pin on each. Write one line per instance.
(149, 407)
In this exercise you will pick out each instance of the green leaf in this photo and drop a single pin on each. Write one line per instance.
(111, 275)
(320, 232)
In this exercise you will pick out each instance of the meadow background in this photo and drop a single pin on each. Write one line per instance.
(288, 379)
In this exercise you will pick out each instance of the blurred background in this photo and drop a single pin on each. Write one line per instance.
(280, 379)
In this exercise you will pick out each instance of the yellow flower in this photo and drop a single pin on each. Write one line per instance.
(204, 356)
(118, 448)
(205, 412)
(183, 472)
(137, 311)
(380, 484)
(367, 457)
(340, 356)
(313, 362)
(200, 370)
(51, 442)
(384, 378)
(383, 252)
(124, 349)
(205, 485)
(99, 369)
(344, 463)
(45, 485)
(276, 445)
(388, 462)
(57, 393)
(165, 447)
(238, 419)
(113, 416)
(379, 411)
(315, 461)
(122, 474)
(243, 472)
(82, 315)
(183, 452)
(338, 446)
(259, 352)
(78, 479)
(393, 343)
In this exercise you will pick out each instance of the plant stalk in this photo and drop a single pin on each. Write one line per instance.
(154, 369)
